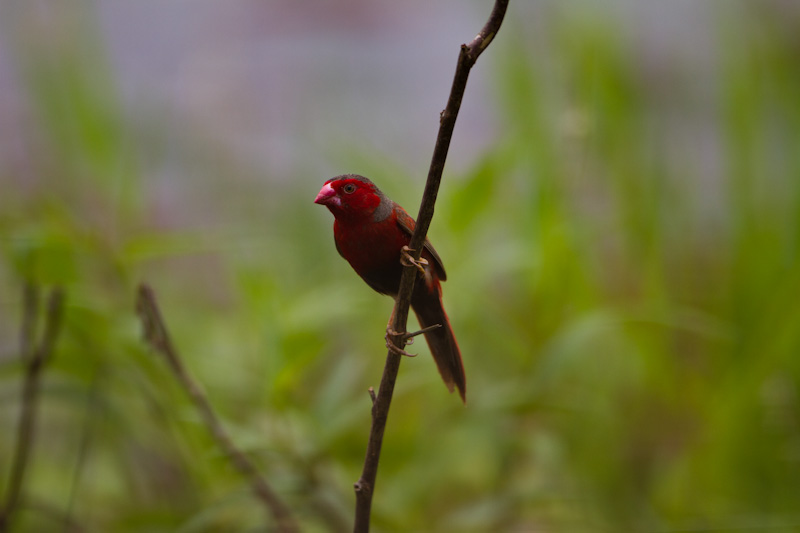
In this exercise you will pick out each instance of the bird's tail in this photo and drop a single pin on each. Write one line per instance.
(442, 342)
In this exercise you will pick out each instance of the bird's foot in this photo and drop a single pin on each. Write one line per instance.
(406, 259)
(403, 338)
(408, 338)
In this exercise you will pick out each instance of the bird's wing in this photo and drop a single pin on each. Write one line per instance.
(408, 224)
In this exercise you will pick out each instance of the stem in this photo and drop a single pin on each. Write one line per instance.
(156, 334)
(365, 486)
(34, 358)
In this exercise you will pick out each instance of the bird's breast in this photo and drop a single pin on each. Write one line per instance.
(373, 250)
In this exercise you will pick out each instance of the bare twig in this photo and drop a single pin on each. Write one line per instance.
(34, 358)
(409, 337)
(365, 486)
(155, 333)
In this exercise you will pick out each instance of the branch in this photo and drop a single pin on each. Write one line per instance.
(155, 333)
(34, 358)
(365, 486)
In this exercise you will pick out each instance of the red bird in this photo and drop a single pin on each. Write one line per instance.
(370, 232)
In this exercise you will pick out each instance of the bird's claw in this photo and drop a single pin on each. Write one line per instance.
(406, 259)
(404, 336)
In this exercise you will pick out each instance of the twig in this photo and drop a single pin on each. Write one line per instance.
(409, 337)
(155, 333)
(34, 358)
(365, 486)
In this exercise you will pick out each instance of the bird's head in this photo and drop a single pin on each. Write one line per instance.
(351, 196)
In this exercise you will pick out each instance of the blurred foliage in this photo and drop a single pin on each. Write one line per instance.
(624, 283)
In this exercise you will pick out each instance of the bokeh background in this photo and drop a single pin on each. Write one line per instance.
(619, 217)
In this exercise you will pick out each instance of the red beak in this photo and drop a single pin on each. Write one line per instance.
(327, 196)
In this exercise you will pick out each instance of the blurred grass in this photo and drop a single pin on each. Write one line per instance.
(624, 283)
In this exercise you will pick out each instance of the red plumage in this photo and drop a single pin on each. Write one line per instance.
(370, 231)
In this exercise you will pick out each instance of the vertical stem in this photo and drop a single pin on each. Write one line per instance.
(35, 359)
(365, 486)
(155, 332)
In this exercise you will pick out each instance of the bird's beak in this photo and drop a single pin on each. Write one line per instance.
(327, 196)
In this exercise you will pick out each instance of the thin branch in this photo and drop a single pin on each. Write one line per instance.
(365, 486)
(409, 337)
(34, 357)
(156, 334)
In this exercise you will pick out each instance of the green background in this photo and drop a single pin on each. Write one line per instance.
(624, 282)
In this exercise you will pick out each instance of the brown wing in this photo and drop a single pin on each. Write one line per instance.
(407, 224)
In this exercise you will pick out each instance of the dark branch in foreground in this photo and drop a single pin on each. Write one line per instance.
(365, 486)
(34, 357)
(155, 333)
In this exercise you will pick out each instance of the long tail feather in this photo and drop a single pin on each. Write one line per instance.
(442, 342)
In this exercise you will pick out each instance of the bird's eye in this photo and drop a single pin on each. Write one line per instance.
(349, 188)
